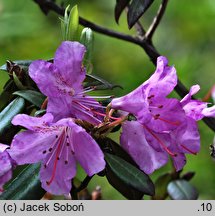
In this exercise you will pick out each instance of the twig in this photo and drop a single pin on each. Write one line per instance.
(84, 183)
(147, 45)
(156, 19)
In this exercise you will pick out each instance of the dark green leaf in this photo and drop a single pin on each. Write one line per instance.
(110, 146)
(182, 190)
(87, 40)
(6, 94)
(161, 186)
(120, 6)
(129, 174)
(98, 83)
(128, 192)
(26, 186)
(22, 63)
(7, 114)
(136, 10)
(34, 97)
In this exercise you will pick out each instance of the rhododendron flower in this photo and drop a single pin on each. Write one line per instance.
(62, 81)
(163, 127)
(196, 109)
(6, 166)
(58, 146)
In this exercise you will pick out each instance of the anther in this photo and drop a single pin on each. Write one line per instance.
(66, 162)
(156, 116)
(58, 158)
(67, 144)
(161, 106)
(50, 149)
(44, 151)
(151, 96)
(56, 136)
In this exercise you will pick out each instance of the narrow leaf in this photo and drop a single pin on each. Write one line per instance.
(182, 190)
(110, 146)
(129, 174)
(18, 82)
(7, 114)
(23, 63)
(136, 9)
(120, 6)
(128, 192)
(34, 97)
(98, 83)
(87, 40)
(73, 23)
(26, 186)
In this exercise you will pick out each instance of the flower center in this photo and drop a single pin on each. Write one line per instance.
(58, 149)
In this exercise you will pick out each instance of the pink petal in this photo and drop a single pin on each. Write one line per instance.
(28, 147)
(45, 76)
(62, 175)
(68, 59)
(87, 151)
(146, 153)
(32, 123)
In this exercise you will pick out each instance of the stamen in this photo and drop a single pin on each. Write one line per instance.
(87, 113)
(57, 158)
(192, 152)
(89, 89)
(160, 142)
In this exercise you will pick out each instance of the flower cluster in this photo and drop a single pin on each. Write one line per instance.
(160, 126)
(55, 139)
(164, 126)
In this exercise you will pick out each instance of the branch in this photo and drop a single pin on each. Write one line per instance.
(147, 45)
(156, 19)
(47, 5)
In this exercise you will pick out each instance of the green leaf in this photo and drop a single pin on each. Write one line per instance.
(26, 186)
(129, 174)
(110, 146)
(128, 192)
(182, 190)
(34, 97)
(98, 83)
(22, 63)
(7, 114)
(73, 23)
(18, 82)
(161, 186)
(120, 6)
(136, 9)
(87, 40)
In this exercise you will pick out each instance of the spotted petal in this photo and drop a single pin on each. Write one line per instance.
(32, 123)
(86, 150)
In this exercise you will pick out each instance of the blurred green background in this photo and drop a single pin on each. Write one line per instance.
(186, 36)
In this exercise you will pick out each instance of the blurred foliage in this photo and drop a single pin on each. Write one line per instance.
(185, 36)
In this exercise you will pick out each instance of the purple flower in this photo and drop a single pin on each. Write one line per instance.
(162, 126)
(6, 165)
(196, 109)
(58, 146)
(62, 81)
